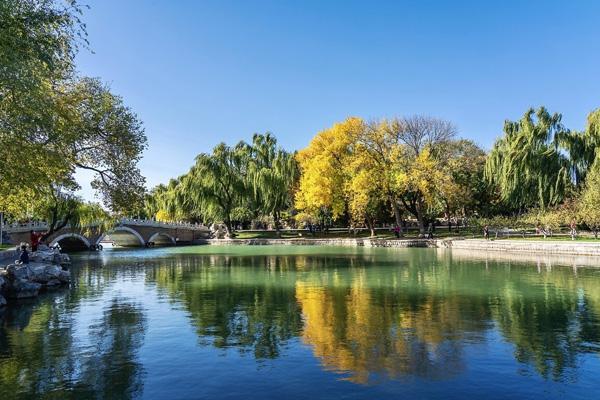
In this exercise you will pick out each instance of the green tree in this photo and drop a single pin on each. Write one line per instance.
(466, 192)
(527, 165)
(420, 175)
(215, 184)
(582, 146)
(53, 123)
(271, 174)
(589, 201)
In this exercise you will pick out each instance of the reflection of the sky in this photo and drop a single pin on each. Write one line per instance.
(298, 322)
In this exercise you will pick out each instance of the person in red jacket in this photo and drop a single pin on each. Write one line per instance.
(35, 238)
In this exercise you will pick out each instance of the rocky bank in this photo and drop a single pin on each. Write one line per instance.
(47, 270)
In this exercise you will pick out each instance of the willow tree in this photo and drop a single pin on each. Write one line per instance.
(589, 201)
(582, 147)
(527, 165)
(215, 185)
(271, 174)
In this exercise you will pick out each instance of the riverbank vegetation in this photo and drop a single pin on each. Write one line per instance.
(357, 174)
(360, 174)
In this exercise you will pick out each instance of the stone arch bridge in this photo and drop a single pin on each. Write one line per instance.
(126, 233)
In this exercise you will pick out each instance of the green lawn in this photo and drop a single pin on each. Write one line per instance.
(380, 234)
(558, 238)
(384, 234)
(6, 246)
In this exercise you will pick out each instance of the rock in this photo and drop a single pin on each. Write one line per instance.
(52, 283)
(64, 259)
(64, 276)
(2, 301)
(45, 273)
(22, 289)
(2, 282)
(18, 271)
(44, 256)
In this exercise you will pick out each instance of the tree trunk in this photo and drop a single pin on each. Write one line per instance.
(397, 216)
(228, 228)
(276, 221)
(420, 218)
(371, 227)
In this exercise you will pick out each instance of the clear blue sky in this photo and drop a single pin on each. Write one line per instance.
(201, 72)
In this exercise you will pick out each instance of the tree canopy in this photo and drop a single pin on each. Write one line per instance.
(52, 121)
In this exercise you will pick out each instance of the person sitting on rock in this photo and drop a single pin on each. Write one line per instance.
(24, 257)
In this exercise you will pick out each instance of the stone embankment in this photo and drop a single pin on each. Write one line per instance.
(46, 270)
(324, 242)
(504, 245)
(524, 246)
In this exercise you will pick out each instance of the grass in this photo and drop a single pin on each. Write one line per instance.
(6, 246)
(385, 234)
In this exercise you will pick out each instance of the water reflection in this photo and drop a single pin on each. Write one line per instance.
(369, 315)
(47, 353)
(374, 315)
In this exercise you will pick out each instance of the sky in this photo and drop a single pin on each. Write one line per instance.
(202, 72)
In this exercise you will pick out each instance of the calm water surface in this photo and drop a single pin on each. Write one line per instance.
(309, 323)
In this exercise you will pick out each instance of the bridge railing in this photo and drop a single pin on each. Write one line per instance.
(42, 226)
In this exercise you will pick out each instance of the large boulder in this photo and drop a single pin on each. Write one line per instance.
(22, 289)
(50, 256)
(45, 273)
(19, 271)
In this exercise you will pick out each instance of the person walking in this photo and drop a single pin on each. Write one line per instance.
(573, 227)
(486, 232)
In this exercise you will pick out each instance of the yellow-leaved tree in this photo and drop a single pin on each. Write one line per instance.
(338, 175)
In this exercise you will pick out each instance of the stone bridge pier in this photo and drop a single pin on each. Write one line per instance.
(127, 233)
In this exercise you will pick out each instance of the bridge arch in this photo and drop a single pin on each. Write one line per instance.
(82, 238)
(123, 229)
(163, 234)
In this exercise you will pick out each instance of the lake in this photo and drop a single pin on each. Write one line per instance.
(307, 322)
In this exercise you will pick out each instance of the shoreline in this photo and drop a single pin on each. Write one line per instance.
(504, 245)
(515, 246)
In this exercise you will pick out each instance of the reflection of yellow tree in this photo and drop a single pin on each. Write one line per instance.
(364, 328)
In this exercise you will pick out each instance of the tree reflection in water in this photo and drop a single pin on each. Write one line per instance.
(46, 353)
(370, 315)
